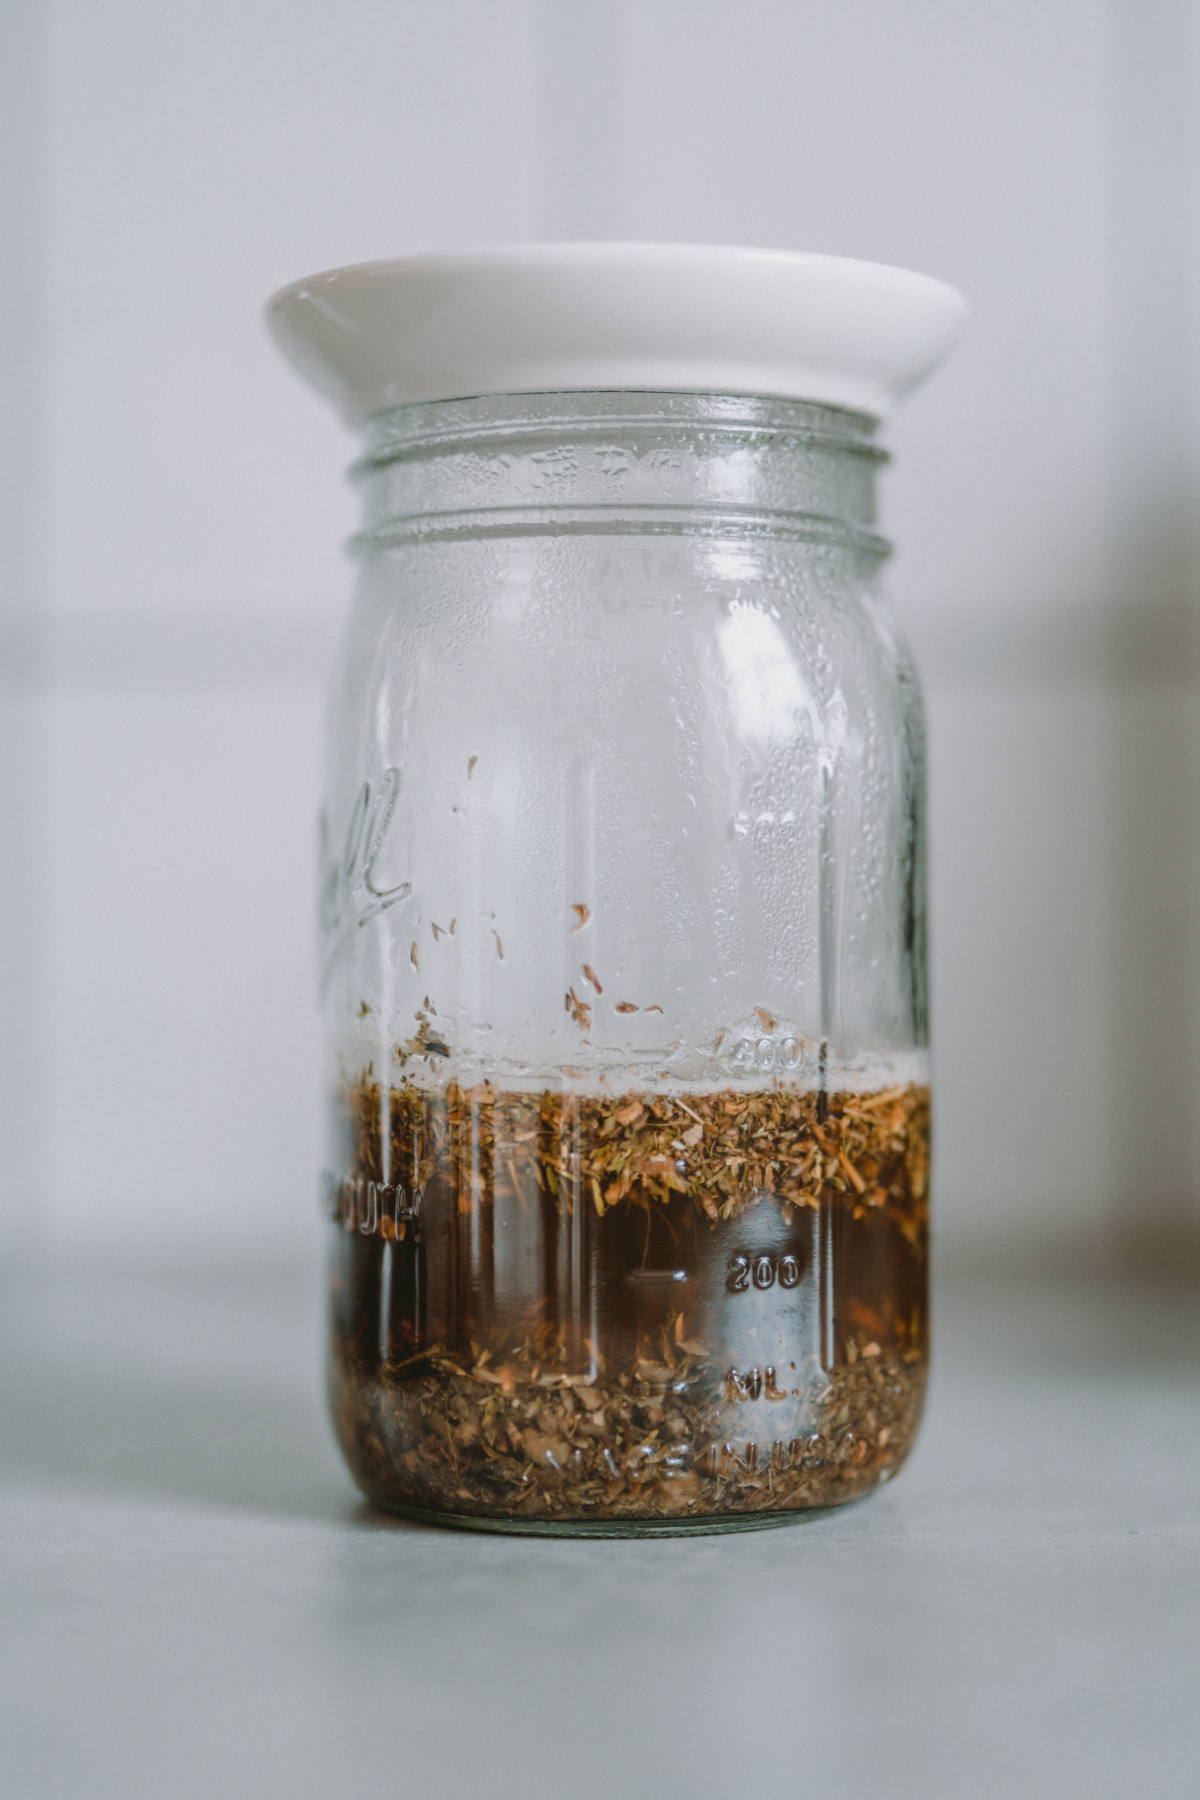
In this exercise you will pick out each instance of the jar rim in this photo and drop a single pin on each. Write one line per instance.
(423, 427)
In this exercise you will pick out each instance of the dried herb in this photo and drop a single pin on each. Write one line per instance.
(568, 1308)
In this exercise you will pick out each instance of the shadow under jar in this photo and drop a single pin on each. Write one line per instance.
(623, 930)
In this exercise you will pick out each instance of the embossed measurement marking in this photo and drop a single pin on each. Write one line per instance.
(725, 1459)
(755, 1384)
(764, 1270)
(370, 1207)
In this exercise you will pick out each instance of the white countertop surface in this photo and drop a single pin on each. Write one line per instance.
(194, 1602)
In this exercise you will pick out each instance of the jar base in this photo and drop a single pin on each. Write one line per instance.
(706, 1525)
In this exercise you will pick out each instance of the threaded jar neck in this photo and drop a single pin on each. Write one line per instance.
(629, 462)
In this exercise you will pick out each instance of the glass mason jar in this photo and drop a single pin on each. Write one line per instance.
(623, 968)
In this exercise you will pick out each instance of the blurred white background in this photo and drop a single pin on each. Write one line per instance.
(173, 514)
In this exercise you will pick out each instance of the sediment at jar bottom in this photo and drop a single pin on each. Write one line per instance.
(646, 1307)
(448, 1440)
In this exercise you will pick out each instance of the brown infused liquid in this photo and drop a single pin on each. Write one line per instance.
(568, 1310)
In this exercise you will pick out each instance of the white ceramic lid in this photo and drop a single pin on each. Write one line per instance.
(541, 318)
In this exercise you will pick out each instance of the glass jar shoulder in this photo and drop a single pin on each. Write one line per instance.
(776, 643)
